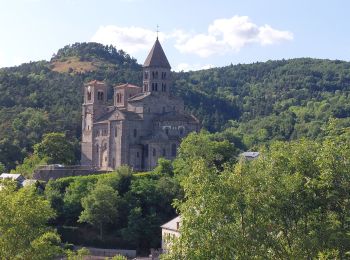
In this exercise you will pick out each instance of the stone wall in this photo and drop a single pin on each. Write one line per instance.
(53, 172)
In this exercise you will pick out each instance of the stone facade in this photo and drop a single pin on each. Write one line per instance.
(144, 123)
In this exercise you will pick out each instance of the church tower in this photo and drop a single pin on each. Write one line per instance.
(94, 106)
(156, 71)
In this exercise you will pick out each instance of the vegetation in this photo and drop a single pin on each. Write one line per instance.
(23, 225)
(291, 203)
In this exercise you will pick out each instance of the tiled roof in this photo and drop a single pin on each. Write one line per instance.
(175, 116)
(139, 96)
(156, 57)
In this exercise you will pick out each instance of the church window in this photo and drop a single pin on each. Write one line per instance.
(163, 75)
(88, 127)
(89, 95)
(153, 88)
(164, 152)
(137, 154)
(135, 132)
(173, 150)
(145, 87)
(156, 75)
(163, 87)
(156, 86)
(105, 146)
(154, 152)
(97, 148)
(146, 150)
(167, 131)
(181, 131)
(146, 74)
(149, 110)
(100, 95)
(105, 159)
(115, 132)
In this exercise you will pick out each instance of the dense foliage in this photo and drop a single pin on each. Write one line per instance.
(291, 203)
(119, 208)
(24, 233)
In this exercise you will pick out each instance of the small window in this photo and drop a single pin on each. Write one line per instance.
(97, 148)
(135, 132)
(154, 152)
(167, 131)
(173, 150)
(149, 110)
(146, 150)
(89, 95)
(137, 154)
(105, 159)
(105, 146)
(164, 152)
(88, 127)
(146, 75)
(145, 87)
(181, 131)
(115, 132)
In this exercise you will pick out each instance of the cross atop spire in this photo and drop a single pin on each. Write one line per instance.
(157, 30)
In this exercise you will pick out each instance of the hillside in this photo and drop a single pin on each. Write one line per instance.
(258, 102)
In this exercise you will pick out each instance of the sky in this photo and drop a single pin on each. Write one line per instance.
(195, 34)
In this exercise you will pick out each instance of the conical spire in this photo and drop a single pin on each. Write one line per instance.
(156, 57)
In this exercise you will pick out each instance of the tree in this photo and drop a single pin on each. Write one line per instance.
(2, 167)
(291, 203)
(100, 207)
(23, 225)
(56, 148)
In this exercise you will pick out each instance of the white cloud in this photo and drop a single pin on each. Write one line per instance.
(130, 39)
(2, 60)
(227, 35)
(192, 67)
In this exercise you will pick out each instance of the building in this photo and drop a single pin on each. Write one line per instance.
(143, 124)
(170, 230)
(250, 155)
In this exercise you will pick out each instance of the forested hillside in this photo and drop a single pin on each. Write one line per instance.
(257, 102)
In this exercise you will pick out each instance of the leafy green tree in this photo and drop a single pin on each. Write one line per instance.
(100, 207)
(56, 148)
(2, 167)
(29, 165)
(23, 225)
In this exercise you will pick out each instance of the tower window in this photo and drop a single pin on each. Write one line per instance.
(154, 152)
(97, 148)
(100, 95)
(137, 154)
(89, 95)
(163, 87)
(156, 86)
(163, 75)
(181, 131)
(146, 75)
(145, 87)
(167, 131)
(173, 150)
(115, 132)
(154, 74)
(135, 132)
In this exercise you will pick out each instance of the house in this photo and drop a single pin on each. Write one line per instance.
(170, 230)
(250, 155)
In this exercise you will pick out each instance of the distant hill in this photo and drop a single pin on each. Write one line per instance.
(257, 102)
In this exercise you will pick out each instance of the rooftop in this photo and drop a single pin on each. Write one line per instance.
(172, 224)
(156, 57)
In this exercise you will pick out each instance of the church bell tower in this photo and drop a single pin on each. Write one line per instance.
(156, 71)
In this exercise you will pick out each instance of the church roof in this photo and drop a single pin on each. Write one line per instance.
(127, 85)
(156, 57)
(95, 82)
(139, 96)
(118, 114)
(175, 116)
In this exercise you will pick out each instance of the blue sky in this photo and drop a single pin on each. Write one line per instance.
(194, 34)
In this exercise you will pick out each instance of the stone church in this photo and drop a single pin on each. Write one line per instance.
(144, 124)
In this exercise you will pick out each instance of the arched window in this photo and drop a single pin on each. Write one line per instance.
(89, 95)
(97, 149)
(100, 95)
(135, 132)
(181, 131)
(137, 154)
(146, 74)
(115, 132)
(146, 150)
(167, 131)
(154, 152)
(173, 150)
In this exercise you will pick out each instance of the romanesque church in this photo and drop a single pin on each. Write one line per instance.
(144, 124)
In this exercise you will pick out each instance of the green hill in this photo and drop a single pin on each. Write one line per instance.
(257, 102)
